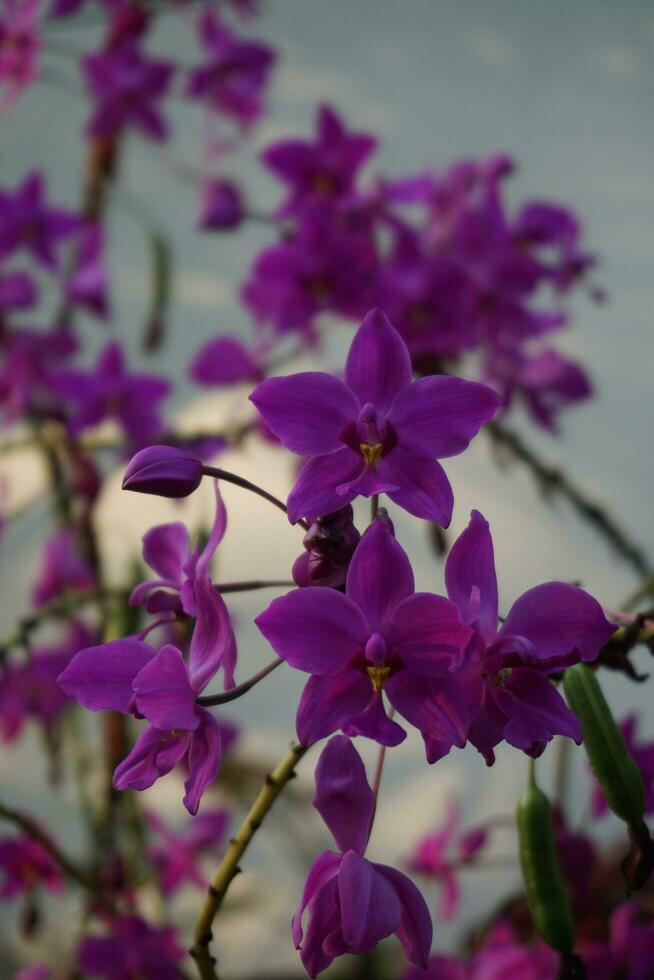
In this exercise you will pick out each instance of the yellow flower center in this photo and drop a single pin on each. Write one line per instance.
(371, 454)
(377, 676)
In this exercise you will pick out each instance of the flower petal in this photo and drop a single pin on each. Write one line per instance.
(323, 869)
(327, 702)
(101, 677)
(165, 549)
(470, 576)
(374, 723)
(306, 411)
(378, 365)
(155, 753)
(322, 926)
(315, 629)
(163, 692)
(428, 634)
(424, 490)
(535, 711)
(435, 707)
(203, 760)
(213, 644)
(343, 797)
(370, 906)
(438, 416)
(380, 574)
(558, 619)
(415, 930)
(216, 535)
(323, 485)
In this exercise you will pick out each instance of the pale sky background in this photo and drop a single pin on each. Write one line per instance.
(568, 90)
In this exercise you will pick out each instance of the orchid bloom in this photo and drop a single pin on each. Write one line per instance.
(352, 903)
(375, 432)
(549, 628)
(381, 637)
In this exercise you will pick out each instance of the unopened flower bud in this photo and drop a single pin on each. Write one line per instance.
(163, 470)
(329, 544)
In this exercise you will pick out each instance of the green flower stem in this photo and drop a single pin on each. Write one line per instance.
(229, 866)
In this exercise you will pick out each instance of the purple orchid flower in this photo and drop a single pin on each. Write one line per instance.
(225, 361)
(631, 941)
(26, 221)
(546, 382)
(643, 755)
(20, 48)
(109, 391)
(221, 206)
(379, 637)
(166, 549)
(25, 863)
(329, 545)
(176, 855)
(319, 172)
(549, 628)
(503, 955)
(63, 567)
(30, 689)
(18, 291)
(29, 357)
(377, 431)
(353, 904)
(128, 676)
(233, 78)
(322, 266)
(431, 858)
(127, 89)
(134, 948)
(88, 284)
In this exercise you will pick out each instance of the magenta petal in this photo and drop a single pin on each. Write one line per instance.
(223, 361)
(343, 797)
(378, 363)
(306, 411)
(101, 677)
(435, 707)
(322, 485)
(470, 576)
(323, 869)
(558, 619)
(438, 416)
(380, 574)
(370, 906)
(155, 753)
(322, 928)
(165, 549)
(327, 702)
(424, 490)
(315, 629)
(430, 634)
(415, 930)
(203, 760)
(374, 723)
(535, 711)
(216, 534)
(163, 691)
(213, 643)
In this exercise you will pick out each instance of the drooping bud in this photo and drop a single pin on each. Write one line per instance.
(329, 545)
(166, 471)
(221, 206)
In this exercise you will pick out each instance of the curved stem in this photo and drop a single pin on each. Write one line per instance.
(210, 700)
(552, 480)
(228, 587)
(374, 506)
(377, 778)
(240, 481)
(228, 868)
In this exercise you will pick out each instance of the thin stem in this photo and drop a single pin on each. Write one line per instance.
(531, 778)
(211, 700)
(227, 587)
(552, 480)
(228, 868)
(374, 506)
(240, 481)
(377, 778)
